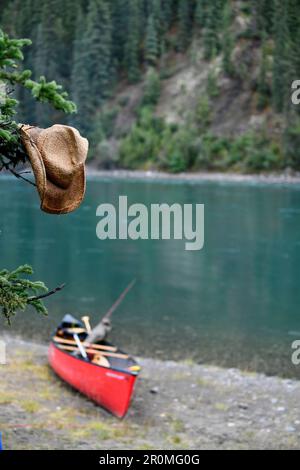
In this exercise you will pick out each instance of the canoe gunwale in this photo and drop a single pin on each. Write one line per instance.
(89, 363)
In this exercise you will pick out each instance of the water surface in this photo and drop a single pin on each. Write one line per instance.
(235, 303)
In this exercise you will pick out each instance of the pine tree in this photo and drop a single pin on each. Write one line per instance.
(66, 34)
(158, 17)
(120, 30)
(263, 85)
(281, 81)
(210, 37)
(10, 15)
(152, 88)
(47, 49)
(263, 15)
(98, 41)
(212, 84)
(26, 22)
(151, 43)
(201, 13)
(294, 32)
(132, 49)
(49, 41)
(227, 43)
(185, 24)
(167, 13)
(80, 79)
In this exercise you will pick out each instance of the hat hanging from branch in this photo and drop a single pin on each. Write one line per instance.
(57, 156)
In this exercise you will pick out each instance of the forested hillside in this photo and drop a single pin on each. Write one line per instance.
(169, 84)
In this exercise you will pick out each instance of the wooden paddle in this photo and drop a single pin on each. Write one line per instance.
(101, 330)
(119, 300)
(94, 351)
(86, 321)
(75, 331)
(80, 347)
(57, 339)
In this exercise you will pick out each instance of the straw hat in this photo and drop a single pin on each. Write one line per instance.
(57, 157)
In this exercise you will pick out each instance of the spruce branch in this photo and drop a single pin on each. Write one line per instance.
(16, 292)
(44, 296)
(12, 151)
(19, 175)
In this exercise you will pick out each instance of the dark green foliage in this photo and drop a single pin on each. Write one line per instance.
(119, 30)
(254, 152)
(11, 55)
(185, 23)
(263, 15)
(80, 78)
(212, 84)
(210, 35)
(103, 126)
(96, 45)
(167, 13)
(201, 13)
(156, 10)
(203, 114)
(143, 144)
(17, 292)
(107, 118)
(166, 147)
(291, 142)
(281, 79)
(151, 48)
(227, 41)
(132, 48)
(163, 146)
(180, 149)
(91, 79)
(152, 88)
(47, 49)
(248, 153)
(293, 22)
(263, 87)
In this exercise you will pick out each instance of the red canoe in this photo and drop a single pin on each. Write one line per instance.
(111, 385)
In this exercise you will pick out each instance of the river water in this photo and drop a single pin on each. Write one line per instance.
(235, 303)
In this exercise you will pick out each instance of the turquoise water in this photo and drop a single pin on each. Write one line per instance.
(235, 303)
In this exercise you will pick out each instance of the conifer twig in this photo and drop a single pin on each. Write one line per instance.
(48, 294)
(19, 176)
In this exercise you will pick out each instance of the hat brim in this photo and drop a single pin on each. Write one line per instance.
(54, 200)
(62, 201)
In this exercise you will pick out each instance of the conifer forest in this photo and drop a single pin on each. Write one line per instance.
(155, 81)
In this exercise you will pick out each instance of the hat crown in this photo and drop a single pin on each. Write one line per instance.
(63, 151)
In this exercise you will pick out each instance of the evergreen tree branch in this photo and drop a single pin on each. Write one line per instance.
(15, 289)
(44, 296)
(12, 152)
(15, 292)
(19, 176)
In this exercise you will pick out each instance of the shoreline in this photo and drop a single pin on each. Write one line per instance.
(175, 406)
(263, 178)
(283, 178)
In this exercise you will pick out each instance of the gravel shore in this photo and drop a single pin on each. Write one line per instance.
(175, 406)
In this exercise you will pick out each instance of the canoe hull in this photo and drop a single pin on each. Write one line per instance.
(110, 388)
